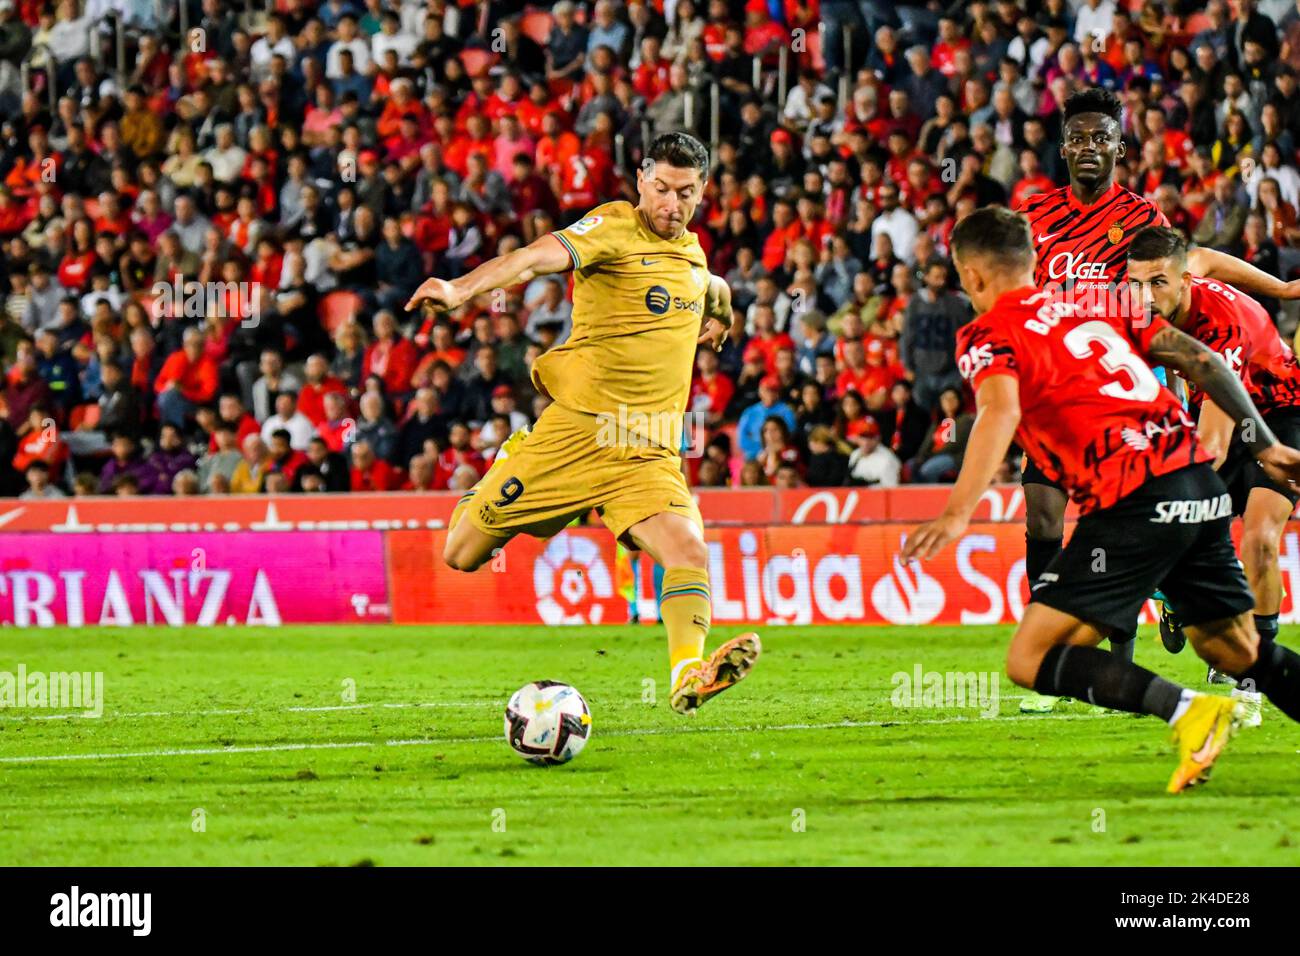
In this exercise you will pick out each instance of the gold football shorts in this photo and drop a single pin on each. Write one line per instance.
(573, 462)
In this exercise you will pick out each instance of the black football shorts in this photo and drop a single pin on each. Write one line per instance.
(1172, 533)
(1242, 473)
(1031, 474)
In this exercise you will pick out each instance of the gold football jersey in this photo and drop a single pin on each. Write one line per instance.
(638, 302)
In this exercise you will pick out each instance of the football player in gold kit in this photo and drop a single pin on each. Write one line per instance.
(643, 299)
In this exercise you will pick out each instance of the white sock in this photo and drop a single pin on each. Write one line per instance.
(1184, 701)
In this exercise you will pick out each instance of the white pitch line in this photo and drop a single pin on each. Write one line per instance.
(248, 710)
(75, 715)
(428, 742)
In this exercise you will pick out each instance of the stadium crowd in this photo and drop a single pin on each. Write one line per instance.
(208, 246)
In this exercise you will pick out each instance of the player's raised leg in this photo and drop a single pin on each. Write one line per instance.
(1053, 653)
(1045, 503)
(1044, 532)
(1263, 525)
(468, 547)
(677, 544)
(1044, 524)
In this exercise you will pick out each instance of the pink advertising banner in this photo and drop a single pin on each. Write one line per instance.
(204, 579)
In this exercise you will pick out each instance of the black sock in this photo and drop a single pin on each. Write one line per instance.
(1123, 645)
(1266, 625)
(1038, 555)
(1090, 674)
(1276, 675)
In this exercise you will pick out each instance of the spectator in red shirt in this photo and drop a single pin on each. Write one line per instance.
(40, 441)
(338, 427)
(1178, 145)
(319, 383)
(651, 77)
(582, 180)
(402, 103)
(785, 230)
(711, 391)
(763, 36)
(14, 216)
(556, 145)
(476, 101)
(506, 99)
(867, 373)
(1032, 178)
(188, 379)
(74, 269)
(477, 138)
(922, 182)
(370, 472)
(113, 219)
(443, 348)
(536, 108)
(902, 151)
(459, 452)
(812, 225)
(766, 338)
(943, 54)
(715, 31)
(390, 356)
(231, 411)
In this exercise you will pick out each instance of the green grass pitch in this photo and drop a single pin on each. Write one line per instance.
(239, 747)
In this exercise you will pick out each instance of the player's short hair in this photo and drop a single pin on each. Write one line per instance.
(681, 150)
(1095, 99)
(997, 233)
(1158, 242)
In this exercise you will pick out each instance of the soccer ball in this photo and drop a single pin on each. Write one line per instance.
(547, 722)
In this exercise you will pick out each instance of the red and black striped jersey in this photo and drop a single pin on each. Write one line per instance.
(1088, 245)
(1093, 416)
(1238, 328)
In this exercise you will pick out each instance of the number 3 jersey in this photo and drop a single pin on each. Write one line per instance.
(1238, 328)
(1093, 415)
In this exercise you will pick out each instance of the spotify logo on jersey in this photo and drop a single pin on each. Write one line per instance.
(657, 299)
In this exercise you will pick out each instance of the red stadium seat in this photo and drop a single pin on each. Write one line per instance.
(477, 61)
(338, 308)
(536, 25)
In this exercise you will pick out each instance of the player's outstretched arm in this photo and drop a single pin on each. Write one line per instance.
(1203, 367)
(1212, 264)
(997, 415)
(540, 257)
